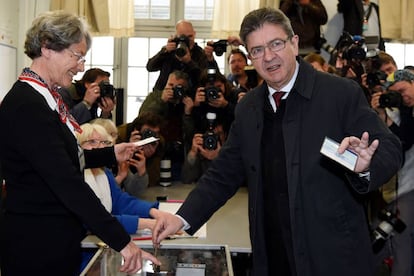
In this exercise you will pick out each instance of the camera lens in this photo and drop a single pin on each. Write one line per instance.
(210, 140)
(147, 133)
(212, 93)
(178, 92)
(181, 50)
(106, 89)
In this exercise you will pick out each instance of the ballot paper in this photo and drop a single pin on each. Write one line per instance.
(146, 141)
(330, 149)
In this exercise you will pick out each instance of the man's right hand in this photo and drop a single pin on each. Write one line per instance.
(133, 256)
(167, 224)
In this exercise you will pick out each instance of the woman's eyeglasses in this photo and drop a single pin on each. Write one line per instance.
(94, 142)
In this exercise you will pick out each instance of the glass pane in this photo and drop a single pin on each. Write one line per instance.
(396, 50)
(152, 9)
(198, 9)
(156, 44)
(133, 105)
(137, 51)
(102, 50)
(153, 76)
(137, 81)
(409, 54)
(160, 9)
(141, 9)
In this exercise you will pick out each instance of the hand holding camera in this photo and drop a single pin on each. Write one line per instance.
(138, 161)
(135, 136)
(92, 93)
(206, 146)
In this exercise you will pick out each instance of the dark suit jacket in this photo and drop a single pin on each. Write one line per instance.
(48, 203)
(328, 223)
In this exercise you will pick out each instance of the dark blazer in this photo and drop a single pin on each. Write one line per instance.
(328, 223)
(48, 206)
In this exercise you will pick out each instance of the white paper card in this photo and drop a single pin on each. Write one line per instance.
(146, 141)
(330, 149)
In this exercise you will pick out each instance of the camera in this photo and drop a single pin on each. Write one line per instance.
(390, 99)
(220, 47)
(183, 43)
(375, 78)
(389, 224)
(211, 91)
(106, 90)
(178, 92)
(323, 44)
(147, 133)
(210, 139)
(352, 47)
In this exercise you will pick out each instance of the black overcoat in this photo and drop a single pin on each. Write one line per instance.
(328, 222)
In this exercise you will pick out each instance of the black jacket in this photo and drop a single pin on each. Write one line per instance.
(48, 206)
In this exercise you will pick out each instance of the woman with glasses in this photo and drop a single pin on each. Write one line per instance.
(49, 206)
(134, 214)
(133, 182)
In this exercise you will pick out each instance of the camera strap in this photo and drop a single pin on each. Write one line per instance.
(367, 14)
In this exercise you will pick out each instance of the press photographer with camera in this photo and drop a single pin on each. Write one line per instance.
(242, 76)
(181, 53)
(400, 84)
(215, 95)
(174, 105)
(307, 17)
(205, 148)
(89, 94)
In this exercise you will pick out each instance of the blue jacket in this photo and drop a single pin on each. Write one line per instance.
(126, 208)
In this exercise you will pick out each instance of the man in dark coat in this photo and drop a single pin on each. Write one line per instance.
(305, 211)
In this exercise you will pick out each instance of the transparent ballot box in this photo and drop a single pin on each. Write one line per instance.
(177, 260)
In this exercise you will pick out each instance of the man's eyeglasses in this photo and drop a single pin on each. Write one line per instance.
(81, 59)
(94, 142)
(274, 46)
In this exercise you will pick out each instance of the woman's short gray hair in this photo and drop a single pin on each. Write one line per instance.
(55, 30)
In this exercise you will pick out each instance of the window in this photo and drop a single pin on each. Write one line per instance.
(199, 10)
(155, 22)
(100, 55)
(152, 9)
(403, 54)
(162, 9)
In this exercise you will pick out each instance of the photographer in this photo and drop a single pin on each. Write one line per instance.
(307, 17)
(173, 105)
(243, 77)
(84, 97)
(400, 96)
(215, 95)
(205, 147)
(181, 53)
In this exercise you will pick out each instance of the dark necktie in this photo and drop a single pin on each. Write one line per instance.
(277, 96)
